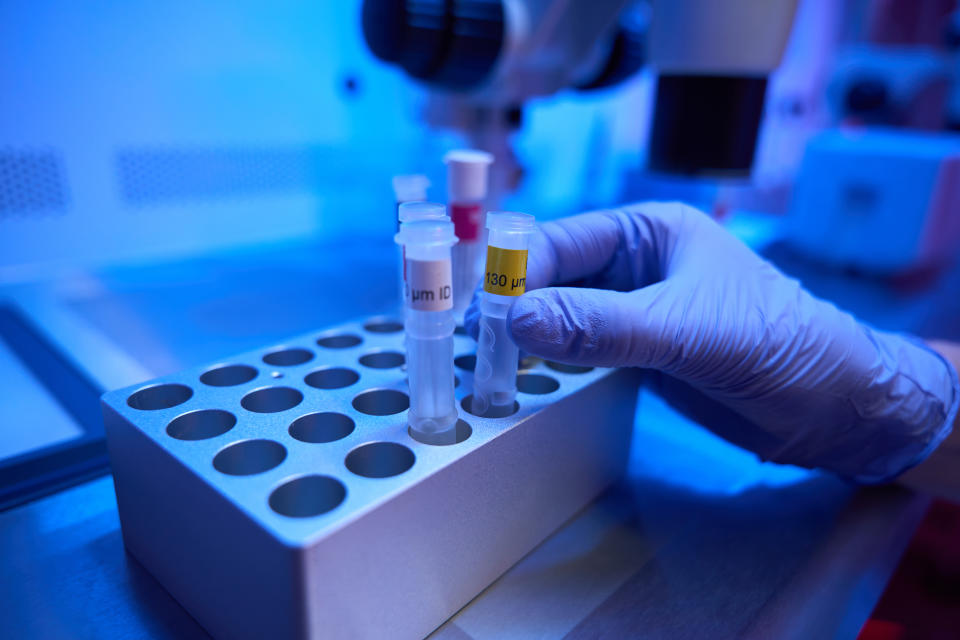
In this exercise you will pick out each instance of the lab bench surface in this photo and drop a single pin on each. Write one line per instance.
(798, 558)
(700, 540)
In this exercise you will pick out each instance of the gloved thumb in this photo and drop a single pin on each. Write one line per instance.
(595, 327)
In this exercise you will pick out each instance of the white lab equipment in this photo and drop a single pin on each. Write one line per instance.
(483, 61)
(495, 375)
(429, 324)
(467, 180)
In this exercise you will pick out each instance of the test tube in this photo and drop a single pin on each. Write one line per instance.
(410, 212)
(467, 178)
(429, 325)
(495, 375)
(413, 211)
(410, 188)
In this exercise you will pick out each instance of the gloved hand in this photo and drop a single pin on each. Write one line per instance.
(734, 343)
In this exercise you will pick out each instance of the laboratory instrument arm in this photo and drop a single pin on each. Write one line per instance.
(940, 473)
(732, 342)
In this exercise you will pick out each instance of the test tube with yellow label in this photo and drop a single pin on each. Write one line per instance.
(505, 278)
(429, 325)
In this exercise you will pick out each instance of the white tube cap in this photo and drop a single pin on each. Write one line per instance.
(510, 222)
(467, 173)
(425, 233)
(410, 188)
(410, 211)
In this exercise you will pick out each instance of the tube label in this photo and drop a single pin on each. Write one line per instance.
(506, 271)
(467, 221)
(429, 285)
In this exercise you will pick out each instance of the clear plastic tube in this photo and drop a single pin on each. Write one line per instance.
(410, 188)
(467, 181)
(429, 324)
(467, 269)
(411, 212)
(505, 277)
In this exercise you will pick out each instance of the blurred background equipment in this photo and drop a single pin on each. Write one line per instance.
(885, 201)
(484, 60)
(880, 192)
(712, 61)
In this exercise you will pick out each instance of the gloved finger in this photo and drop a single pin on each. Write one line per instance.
(599, 327)
(471, 318)
(620, 249)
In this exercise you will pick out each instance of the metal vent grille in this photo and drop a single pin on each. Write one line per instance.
(149, 176)
(31, 182)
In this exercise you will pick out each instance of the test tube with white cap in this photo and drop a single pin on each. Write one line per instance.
(410, 188)
(410, 212)
(495, 375)
(429, 325)
(467, 180)
(413, 211)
